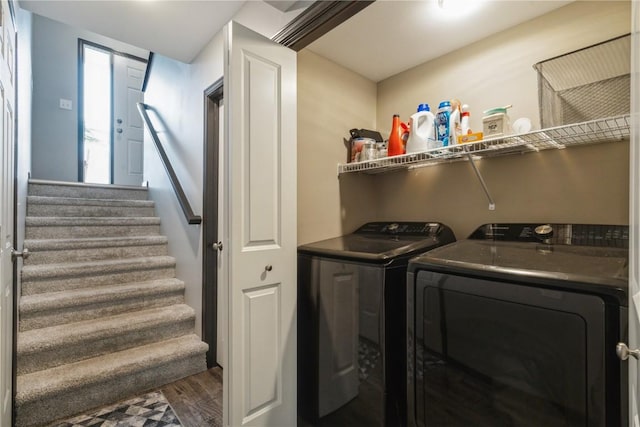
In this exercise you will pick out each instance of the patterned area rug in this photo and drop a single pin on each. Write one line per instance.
(150, 410)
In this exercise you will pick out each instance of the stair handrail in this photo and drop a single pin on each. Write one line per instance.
(173, 178)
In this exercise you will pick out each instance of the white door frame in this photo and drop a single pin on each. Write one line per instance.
(634, 215)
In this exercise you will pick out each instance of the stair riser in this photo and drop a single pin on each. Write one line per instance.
(94, 254)
(86, 192)
(67, 232)
(45, 318)
(31, 287)
(82, 397)
(115, 341)
(90, 211)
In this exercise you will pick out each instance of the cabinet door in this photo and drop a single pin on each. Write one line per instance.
(338, 335)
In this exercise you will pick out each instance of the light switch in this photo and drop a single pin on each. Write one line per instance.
(66, 104)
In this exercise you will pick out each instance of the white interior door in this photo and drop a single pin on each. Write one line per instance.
(634, 217)
(260, 139)
(128, 75)
(7, 97)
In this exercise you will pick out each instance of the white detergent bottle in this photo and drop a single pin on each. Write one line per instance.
(454, 126)
(421, 130)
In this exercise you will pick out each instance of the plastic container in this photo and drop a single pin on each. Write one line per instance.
(443, 123)
(421, 130)
(496, 122)
(464, 121)
(356, 148)
(395, 145)
(454, 126)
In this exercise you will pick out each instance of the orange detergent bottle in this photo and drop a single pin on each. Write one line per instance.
(396, 141)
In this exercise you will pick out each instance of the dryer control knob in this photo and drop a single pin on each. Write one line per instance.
(544, 232)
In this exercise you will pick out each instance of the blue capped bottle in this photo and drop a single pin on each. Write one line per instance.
(443, 118)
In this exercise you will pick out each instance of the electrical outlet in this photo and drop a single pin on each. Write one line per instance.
(66, 104)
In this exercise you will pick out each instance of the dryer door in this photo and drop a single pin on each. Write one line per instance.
(501, 354)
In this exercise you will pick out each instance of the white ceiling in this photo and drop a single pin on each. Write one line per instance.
(178, 29)
(391, 36)
(387, 37)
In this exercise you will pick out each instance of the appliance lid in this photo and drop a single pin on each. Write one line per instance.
(383, 241)
(590, 258)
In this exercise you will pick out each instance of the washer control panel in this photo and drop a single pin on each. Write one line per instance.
(561, 234)
(401, 228)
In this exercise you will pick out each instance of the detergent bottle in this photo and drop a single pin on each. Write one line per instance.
(443, 123)
(421, 130)
(395, 146)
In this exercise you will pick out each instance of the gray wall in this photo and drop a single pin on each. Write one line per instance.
(55, 75)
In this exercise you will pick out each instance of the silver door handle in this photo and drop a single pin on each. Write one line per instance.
(119, 130)
(624, 352)
(216, 246)
(24, 254)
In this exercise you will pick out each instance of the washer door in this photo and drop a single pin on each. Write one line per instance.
(500, 354)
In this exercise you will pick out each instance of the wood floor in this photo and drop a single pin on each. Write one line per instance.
(197, 400)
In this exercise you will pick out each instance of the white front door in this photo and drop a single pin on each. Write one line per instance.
(7, 185)
(128, 75)
(260, 165)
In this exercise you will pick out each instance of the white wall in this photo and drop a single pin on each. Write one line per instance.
(55, 76)
(25, 82)
(176, 92)
(331, 100)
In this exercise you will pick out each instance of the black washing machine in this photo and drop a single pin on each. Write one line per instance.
(352, 323)
(517, 326)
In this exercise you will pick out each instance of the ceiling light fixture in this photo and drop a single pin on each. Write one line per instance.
(458, 8)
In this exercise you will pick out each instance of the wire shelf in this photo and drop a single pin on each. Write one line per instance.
(592, 132)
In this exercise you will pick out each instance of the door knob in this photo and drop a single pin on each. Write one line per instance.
(624, 352)
(119, 130)
(268, 267)
(216, 246)
(24, 254)
(119, 121)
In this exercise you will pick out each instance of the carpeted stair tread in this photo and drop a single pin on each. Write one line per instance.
(64, 299)
(117, 208)
(92, 242)
(56, 345)
(55, 251)
(77, 201)
(83, 190)
(92, 372)
(79, 269)
(54, 308)
(76, 221)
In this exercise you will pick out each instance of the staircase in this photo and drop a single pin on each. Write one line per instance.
(101, 314)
